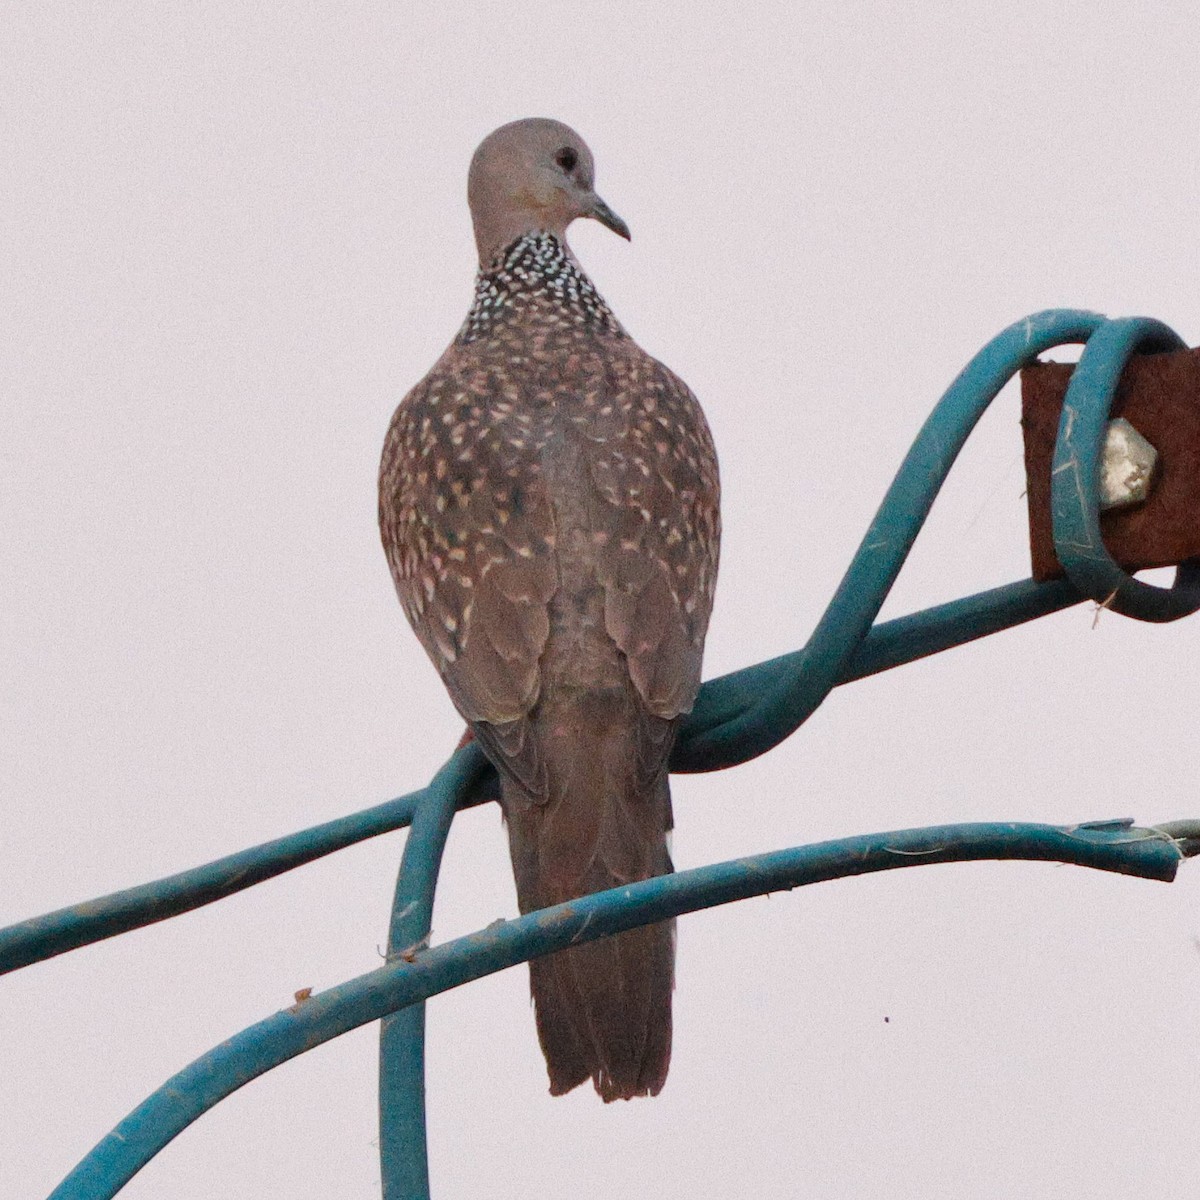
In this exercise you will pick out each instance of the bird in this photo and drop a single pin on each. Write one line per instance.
(549, 505)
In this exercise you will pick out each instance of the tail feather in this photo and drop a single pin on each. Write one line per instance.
(603, 1008)
(604, 1012)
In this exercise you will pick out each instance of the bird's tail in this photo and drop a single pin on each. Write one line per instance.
(603, 1008)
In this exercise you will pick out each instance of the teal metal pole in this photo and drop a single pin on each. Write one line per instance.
(403, 1154)
(737, 717)
(1107, 846)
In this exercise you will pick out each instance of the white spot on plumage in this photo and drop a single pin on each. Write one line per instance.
(535, 271)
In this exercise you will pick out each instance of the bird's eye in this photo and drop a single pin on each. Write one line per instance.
(567, 158)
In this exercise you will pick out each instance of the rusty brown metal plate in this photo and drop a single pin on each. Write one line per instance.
(1159, 395)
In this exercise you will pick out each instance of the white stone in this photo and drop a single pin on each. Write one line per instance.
(1127, 469)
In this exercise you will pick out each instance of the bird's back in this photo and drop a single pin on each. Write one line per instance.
(549, 505)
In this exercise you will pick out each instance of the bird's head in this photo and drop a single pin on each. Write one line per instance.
(532, 175)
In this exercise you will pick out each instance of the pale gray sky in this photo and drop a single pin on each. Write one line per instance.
(232, 236)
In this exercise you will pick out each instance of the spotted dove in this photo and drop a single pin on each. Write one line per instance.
(549, 505)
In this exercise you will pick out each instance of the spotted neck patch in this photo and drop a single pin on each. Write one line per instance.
(535, 273)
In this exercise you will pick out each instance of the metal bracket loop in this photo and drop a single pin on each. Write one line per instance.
(1075, 480)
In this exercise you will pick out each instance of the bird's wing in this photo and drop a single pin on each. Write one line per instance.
(468, 530)
(469, 526)
(657, 493)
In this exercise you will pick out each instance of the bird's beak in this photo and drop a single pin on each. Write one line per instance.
(605, 215)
